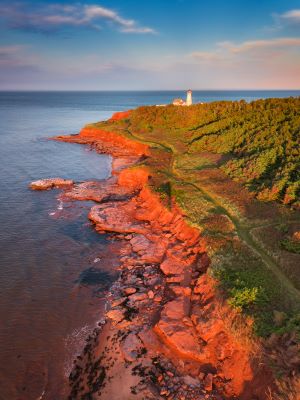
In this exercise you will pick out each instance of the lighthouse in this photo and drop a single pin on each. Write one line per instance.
(189, 100)
(181, 102)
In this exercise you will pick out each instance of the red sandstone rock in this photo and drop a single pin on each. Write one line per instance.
(138, 297)
(182, 291)
(50, 183)
(113, 217)
(208, 382)
(107, 142)
(118, 302)
(189, 380)
(149, 251)
(120, 115)
(98, 191)
(115, 315)
(129, 291)
(174, 332)
(171, 266)
(131, 347)
(133, 178)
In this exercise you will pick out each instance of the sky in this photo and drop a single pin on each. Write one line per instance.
(149, 45)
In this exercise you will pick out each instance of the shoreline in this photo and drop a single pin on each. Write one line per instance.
(167, 333)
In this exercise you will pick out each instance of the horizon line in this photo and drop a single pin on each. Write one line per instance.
(145, 90)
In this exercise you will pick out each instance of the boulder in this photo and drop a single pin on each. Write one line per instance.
(171, 266)
(150, 251)
(116, 315)
(118, 302)
(131, 347)
(189, 380)
(172, 330)
(128, 291)
(208, 382)
(138, 297)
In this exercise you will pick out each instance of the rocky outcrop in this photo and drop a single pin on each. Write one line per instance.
(108, 142)
(120, 115)
(50, 183)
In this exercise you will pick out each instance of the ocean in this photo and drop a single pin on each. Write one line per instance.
(46, 247)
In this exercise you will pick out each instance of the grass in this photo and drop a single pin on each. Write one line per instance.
(291, 245)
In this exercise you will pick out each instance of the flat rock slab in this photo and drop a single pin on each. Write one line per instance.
(115, 315)
(150, 251)
(174, 332)
(50, 183)
(172, 266)
(114, 217)
(99, 191)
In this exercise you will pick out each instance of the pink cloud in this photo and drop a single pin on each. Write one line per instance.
(247, 46)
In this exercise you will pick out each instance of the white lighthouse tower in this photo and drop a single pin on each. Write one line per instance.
(189, 100)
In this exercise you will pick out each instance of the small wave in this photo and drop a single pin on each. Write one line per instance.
(42, 395)
(60, 205)
(74, 343)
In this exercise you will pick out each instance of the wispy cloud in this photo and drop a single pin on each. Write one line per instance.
(54, 17)
(206, 56)
(273, 63)
(292, 16)
(16, 56)
(253, 45)
(287, 21)
(260, 48)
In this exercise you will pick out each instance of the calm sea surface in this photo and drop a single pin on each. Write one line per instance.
(47, 248)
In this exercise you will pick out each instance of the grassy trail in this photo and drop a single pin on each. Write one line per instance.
(243, 232)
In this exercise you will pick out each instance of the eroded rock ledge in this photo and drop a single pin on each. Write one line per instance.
(168, 334)
(50, 183)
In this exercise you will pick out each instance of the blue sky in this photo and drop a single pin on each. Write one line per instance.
(158, 44)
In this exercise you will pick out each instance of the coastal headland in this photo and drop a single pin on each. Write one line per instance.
(171, 330)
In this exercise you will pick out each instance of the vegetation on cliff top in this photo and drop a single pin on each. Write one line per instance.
(262, 139)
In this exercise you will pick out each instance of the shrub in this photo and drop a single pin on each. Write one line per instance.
(291, 245)
(241, 298)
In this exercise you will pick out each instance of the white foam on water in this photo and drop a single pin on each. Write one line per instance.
(74, 344)
(42, 395)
